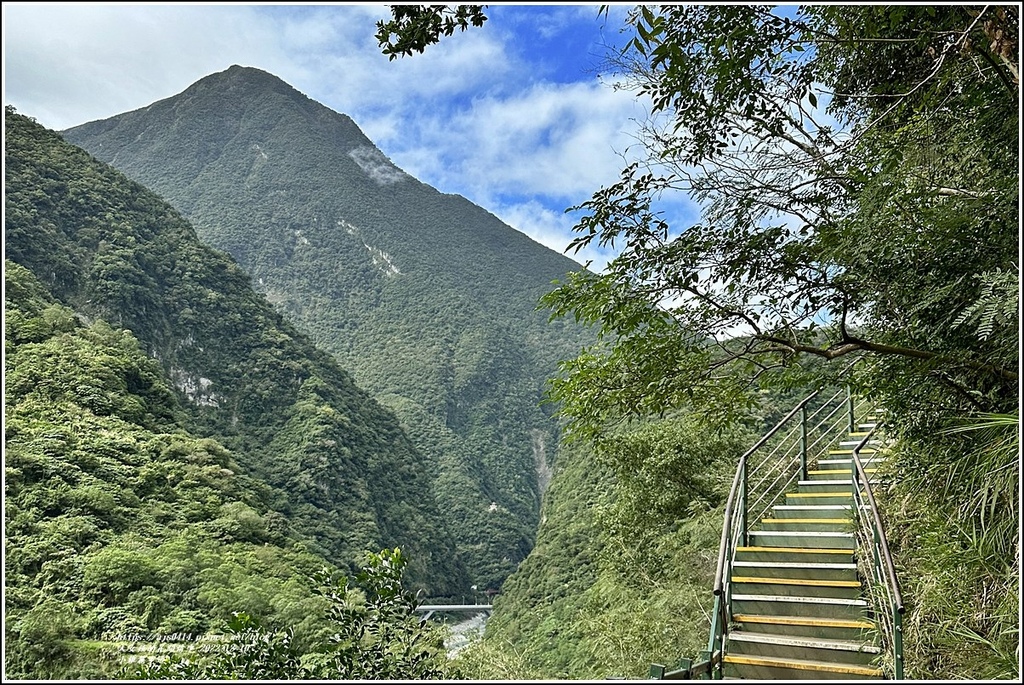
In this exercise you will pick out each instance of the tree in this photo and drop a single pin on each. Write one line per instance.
(866, 224)
(376, 635)
(857, 175)
(414, 27)
(856, 171)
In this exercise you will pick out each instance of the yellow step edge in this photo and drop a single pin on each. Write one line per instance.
(798, 550)
(800, 520)
(796, 581)
(848, 669)
(797, 621)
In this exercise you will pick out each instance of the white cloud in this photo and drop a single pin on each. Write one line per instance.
(558, 141)
(484, 113)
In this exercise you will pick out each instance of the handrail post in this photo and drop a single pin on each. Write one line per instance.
(897, 629)
(743, 504)
(704, 658)
(849, 408)
(803, 442)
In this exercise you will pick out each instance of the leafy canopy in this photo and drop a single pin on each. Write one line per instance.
(414, 27)
(847, 209)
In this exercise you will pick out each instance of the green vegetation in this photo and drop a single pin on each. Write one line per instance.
(857, 170)
(174, 452)
(426, 298)
(340, 470)
(374, 635)
(118, 521)
(624, 560)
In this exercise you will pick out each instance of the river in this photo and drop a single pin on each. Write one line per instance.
(465, 633)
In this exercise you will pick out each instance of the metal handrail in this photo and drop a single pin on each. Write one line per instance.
(888, 578)
(773, 467)
(809, 451)
(720, 619)
(735, 487)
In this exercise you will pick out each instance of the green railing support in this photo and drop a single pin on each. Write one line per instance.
(803, 442)
(897, 629)
(657, 672)
(883, 569)
(705, 658)
(743, 504)
(849, 409)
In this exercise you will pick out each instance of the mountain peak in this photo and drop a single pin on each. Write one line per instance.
(236, 75)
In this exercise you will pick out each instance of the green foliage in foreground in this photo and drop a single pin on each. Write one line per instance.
(956, 510)
(374, 634)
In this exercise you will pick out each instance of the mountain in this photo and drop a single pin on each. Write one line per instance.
(327, 465)
(429, 300)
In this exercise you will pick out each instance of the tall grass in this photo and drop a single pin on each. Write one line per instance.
(954, 514)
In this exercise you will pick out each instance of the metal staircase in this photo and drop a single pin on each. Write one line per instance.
(797, 608)
(806, 591)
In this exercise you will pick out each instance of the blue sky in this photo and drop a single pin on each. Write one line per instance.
(515, 115)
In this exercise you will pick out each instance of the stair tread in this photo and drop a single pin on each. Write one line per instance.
(794, 641)
(819, 494)
(814, 507)
(812, 533)
(848, 460)
(795, 521)
(803, 665)
(803, 621)
(796, 550)
(795, 581)
(807, 600)
(795, 564)
(835, 472)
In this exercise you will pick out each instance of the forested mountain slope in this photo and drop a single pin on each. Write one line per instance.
(118, 521)
(427, 298)
(340, 473)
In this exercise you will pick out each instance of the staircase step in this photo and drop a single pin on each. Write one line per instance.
(797, 569)
(755, 553)
(766, 668)
(788, 605)
(830, 497)
(802, 648)
(782, 538)
(824, 628)
(807, 525)
(812, 511)
(825, 485)
(825, 473)
(867, 462)
(796, 587)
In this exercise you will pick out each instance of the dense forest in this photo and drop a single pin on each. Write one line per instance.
(175, 452)
(430, 301)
